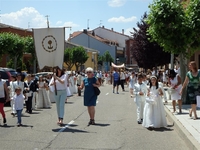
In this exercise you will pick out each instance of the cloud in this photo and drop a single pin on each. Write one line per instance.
(58, 22)
(122, 19)
(24, 18)
(116, 3)
(70, 24)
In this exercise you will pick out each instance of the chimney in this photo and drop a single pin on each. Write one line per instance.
(122, 31)
(112, 29)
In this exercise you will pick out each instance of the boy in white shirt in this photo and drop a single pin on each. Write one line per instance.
(140, 92)
(18, 100)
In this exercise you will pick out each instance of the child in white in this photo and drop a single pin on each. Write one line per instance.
(140, 91)
(132, 81)
(154, 113)
(18, 100)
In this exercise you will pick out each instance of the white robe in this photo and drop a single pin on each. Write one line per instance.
(154, 113)
(140, 99)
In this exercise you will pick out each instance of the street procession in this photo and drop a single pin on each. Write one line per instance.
(64, 85)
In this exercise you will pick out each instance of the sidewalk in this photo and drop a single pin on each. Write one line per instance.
(188, 128)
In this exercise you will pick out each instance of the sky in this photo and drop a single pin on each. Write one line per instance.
(75, 15)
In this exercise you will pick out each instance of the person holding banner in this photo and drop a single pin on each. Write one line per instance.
(59, 82)
(192, 81)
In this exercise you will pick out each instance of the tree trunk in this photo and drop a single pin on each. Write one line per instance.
(15, 62)
(183, 71)
(172, 61)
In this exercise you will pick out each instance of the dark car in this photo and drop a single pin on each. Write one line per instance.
(5, 75)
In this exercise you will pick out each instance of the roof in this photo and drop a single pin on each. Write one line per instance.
(89, 33)
(111, 31)
(9, 26)
(89, 49)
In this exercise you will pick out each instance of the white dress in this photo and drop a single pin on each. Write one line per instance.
(43, 99)
(132, 82)
(154, 113)
(71, 85)
(175, 93)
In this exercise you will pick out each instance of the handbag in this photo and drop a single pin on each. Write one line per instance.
(97, 91)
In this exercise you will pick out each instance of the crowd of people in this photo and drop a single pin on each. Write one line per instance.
(147, 90)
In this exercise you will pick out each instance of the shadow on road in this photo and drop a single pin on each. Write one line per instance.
(162, 129)
(100, 124)
(10, 126)
(69, 130)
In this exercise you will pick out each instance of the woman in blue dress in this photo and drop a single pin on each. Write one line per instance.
(90, 97)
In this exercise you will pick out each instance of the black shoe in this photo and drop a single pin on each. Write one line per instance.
(13, 114)
(4, 120)
(139, 122)
(91, 122)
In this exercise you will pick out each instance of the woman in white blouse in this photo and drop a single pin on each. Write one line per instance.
(59, 81)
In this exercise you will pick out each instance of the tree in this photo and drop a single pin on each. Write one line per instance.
(176, 28)
(147, 54)
(79, 56)
(6, 42)
(30, 48)
(13, 45)
(68, 57)
(75, 56)
(107, 58)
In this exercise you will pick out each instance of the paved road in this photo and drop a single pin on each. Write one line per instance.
(116, 128)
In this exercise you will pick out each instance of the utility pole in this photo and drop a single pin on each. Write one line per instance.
(88, 24)
(47, 16)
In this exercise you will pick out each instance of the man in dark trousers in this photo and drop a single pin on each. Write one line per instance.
(29, 93)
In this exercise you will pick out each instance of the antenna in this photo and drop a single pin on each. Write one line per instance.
(88, 24)
(47, 20)
(28, 25)
(100, 23)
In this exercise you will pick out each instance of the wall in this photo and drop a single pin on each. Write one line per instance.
(90, 42)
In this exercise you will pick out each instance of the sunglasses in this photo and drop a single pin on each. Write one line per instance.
(89, 72)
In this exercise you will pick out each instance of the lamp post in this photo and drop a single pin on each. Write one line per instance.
(117, 60)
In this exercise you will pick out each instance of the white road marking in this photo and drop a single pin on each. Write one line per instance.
(107, 93)
(66, 126)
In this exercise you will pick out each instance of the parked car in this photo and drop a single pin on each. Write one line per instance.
(6, 75)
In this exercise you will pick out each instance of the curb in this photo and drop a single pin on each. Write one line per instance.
(190, 141)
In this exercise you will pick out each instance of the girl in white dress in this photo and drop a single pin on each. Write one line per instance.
(43, 99)
(175, 85)
(154, 113)
(132, 81)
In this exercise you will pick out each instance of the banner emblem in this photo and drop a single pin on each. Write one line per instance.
(49, 43)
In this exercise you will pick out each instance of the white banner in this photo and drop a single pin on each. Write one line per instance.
(117, 66)
(49, 46)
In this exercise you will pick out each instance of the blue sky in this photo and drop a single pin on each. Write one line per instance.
(77, 14)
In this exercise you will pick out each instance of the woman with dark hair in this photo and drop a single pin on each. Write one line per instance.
(174, 82)
(154, 113)
(192, 81)
(59, 81)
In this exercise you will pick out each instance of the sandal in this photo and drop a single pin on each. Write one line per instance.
(91, 122)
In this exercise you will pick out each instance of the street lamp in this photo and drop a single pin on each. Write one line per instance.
(117, 60)
(94, 55)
